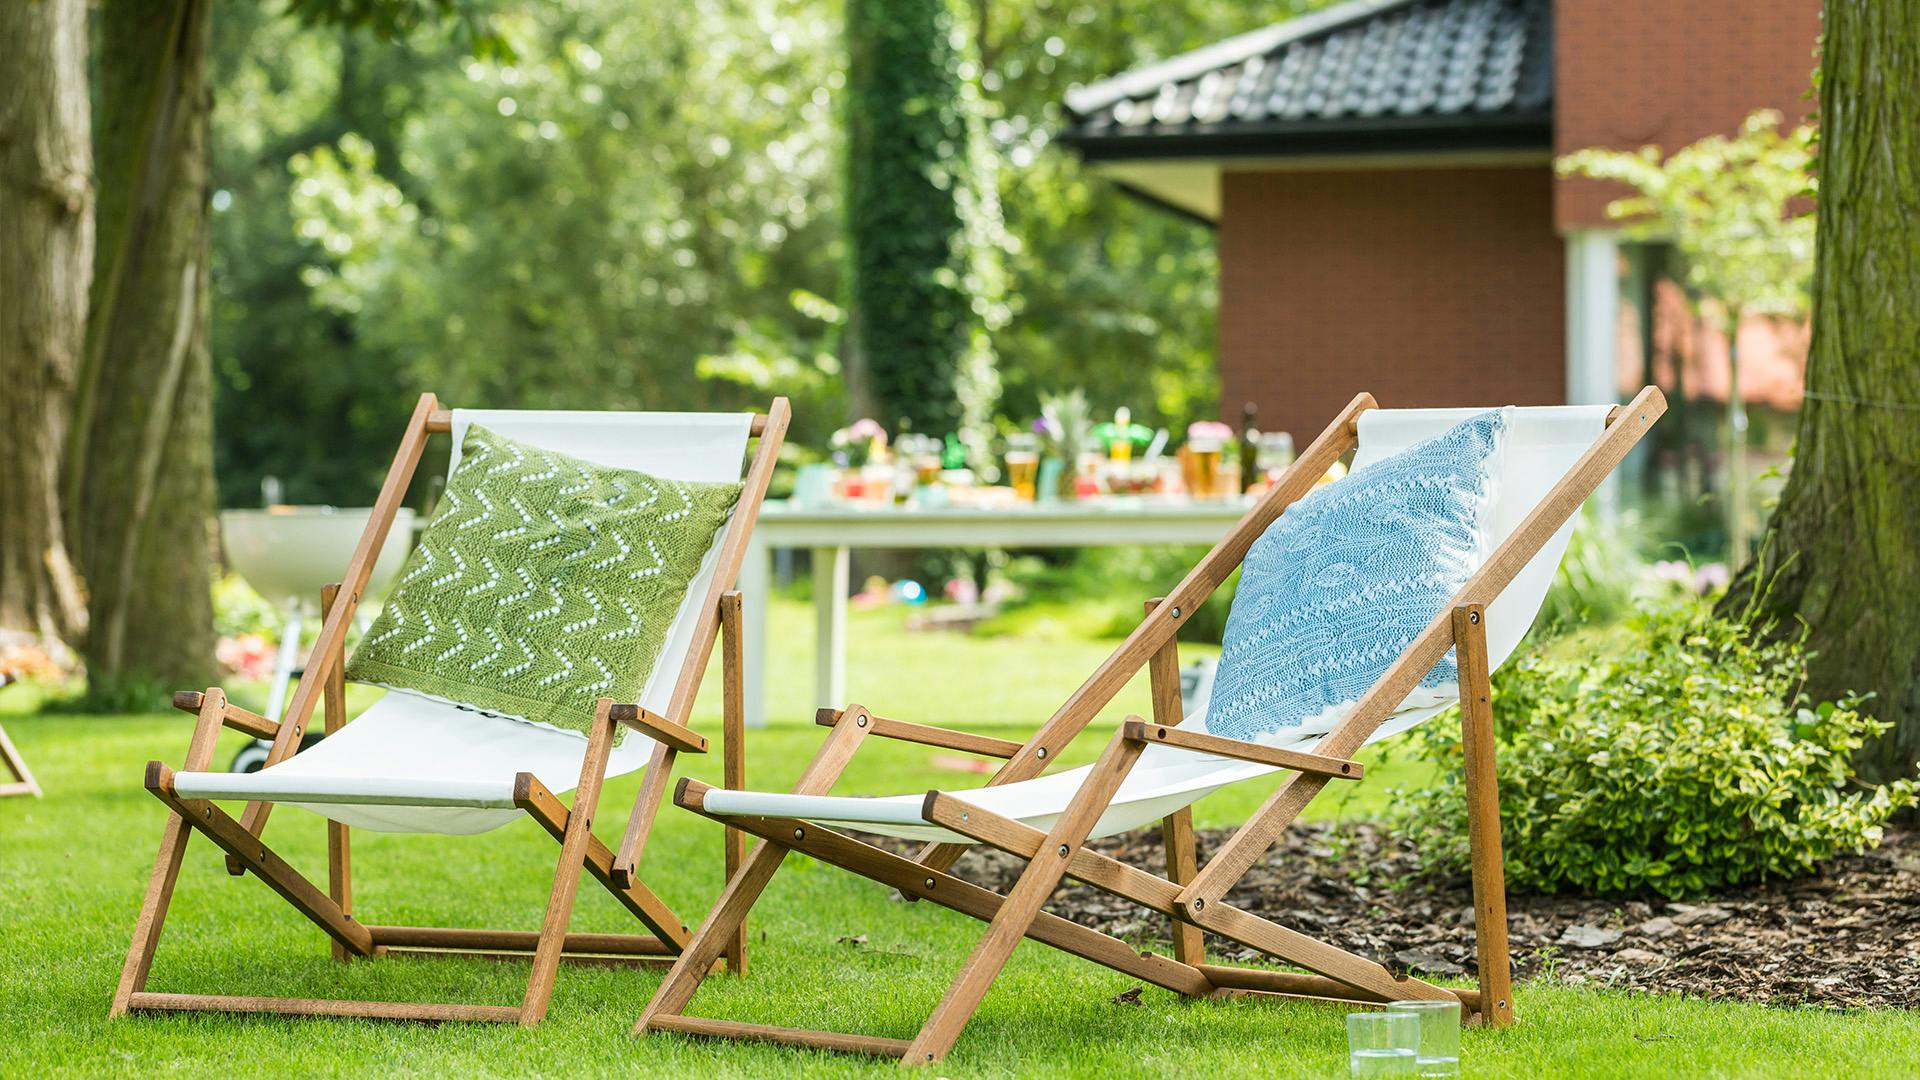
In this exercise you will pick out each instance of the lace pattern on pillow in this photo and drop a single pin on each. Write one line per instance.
(1338, 587)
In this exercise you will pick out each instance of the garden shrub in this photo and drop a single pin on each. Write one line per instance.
(1683, 763)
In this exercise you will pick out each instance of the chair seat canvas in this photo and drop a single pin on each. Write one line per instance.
(1163, 780)
(411, 763)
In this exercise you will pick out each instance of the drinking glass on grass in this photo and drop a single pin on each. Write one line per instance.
(1439, 1046)
(1382, 1043)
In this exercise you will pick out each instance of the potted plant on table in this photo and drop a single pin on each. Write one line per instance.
(1065, 428)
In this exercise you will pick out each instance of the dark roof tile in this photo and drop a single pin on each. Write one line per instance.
(1367, 65)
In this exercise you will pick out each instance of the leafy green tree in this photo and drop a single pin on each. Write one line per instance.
(281, 88)
(577, 225)
(1736, 212)
(924, 235)
(627, 259)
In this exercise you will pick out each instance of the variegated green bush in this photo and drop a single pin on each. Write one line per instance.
(1683, 762)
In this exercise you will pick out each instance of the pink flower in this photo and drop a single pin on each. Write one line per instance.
(1673, 572)
(249, 656)
(1711, 578)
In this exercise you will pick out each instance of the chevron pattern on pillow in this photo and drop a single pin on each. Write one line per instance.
(1343, 581)
(543, 583)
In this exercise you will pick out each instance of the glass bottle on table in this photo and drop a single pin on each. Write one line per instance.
(1249, 437)
(1120, 448)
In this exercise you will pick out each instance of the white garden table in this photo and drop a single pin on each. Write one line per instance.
(831, 533)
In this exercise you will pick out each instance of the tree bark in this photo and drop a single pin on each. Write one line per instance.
(140, 465)
(1842, 552)
(46, 266)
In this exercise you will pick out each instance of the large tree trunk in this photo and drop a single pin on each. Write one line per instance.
(140, 474)
(46, 264)
(1842, 552)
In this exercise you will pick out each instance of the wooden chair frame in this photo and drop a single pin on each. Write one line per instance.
(332, 909)
(1193, 896)
(23, 782)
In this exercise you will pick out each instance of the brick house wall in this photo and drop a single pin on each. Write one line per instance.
(1427, 287)
(1628, 73)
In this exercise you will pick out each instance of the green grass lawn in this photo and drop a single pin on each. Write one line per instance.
(73, 867)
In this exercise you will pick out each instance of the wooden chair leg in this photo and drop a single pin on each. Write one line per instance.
(339, 845)
(1483, 817)
(745, 886)
(566, 875)
(23, 781)
(1023, 904)
(166, 864)
(733, 751)
(1176, 832)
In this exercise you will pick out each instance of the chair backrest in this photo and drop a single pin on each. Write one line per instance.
(1543, 442)
(700, 447)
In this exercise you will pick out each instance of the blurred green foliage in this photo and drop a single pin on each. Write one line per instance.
(1097, 592)
(630, 205)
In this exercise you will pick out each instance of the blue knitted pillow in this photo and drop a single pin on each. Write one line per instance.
(1338, 587)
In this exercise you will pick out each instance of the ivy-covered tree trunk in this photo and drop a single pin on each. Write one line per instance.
(1842, 551)
(46, 263)
(140, 474)
(923, 220)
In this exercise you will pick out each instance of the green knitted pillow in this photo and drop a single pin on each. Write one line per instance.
(543, 583)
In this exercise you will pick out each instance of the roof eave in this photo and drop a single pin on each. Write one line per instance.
(1277, 139)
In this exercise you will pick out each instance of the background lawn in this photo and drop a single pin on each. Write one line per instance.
(73, 866)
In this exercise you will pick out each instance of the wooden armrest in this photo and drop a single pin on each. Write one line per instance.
(1317, 764)
(928, 735)
(661, 729)
(232, 715)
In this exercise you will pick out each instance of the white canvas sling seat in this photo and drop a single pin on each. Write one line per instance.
(414, 763)
(1543, 443)
(411, 763)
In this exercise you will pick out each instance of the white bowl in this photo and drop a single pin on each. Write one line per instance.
(288, 552)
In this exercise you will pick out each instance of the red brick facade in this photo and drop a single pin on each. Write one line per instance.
(1628, 73)
(1427, 287)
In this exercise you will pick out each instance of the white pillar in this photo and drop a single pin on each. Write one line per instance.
(1593, 316)
(1593, 329)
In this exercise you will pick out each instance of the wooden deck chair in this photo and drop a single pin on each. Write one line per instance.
(1154, 771)
(411, 763)
(22, 782)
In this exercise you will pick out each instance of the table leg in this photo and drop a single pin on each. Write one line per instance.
(756, 591)
(284, 664)
(830, 582)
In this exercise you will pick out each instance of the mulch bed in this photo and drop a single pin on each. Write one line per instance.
(1848, 936)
